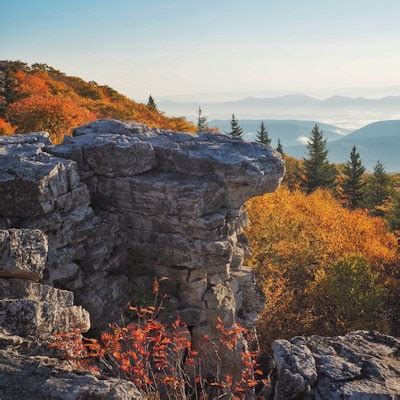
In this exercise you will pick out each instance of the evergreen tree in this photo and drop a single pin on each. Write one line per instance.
(202, 124)
(262, 135)
(379, 188)
(353, 182)
(280, 148)
(236, 130)
(318, 172)
(151, 104)
(393, 215)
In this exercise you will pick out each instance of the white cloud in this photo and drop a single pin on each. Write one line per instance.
(302, 139)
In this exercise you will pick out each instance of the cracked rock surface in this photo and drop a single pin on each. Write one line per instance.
(358, 366)
(121, 203)
(30, 313)
(87, 225)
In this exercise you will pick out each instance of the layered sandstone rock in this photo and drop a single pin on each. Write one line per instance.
(22, 253)
(30, 313)
(360, 365)
(120, 203)
(38, 377)
(27, 308)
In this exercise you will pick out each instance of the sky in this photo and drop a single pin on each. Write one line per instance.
(180, 47)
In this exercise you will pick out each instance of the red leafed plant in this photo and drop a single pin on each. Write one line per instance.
(159, 359)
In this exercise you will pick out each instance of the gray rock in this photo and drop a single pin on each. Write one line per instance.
(249, 297)
(121, 203)
(25, 317)
(24, 289)
(247, 169)
(22, 253)
(108, 154)
(43, 378)
(31, 181)
(105, 298)
(41, 139)
(360, 365)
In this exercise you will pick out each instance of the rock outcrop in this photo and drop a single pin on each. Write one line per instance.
(30, 313)
(116, 205)
(28, 308)
(85, 227)
(358, 366)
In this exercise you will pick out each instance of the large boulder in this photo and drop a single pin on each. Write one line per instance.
(120, 204)
(358, 366)
(39, 378)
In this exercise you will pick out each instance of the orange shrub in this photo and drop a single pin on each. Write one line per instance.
(56, 115)
(39, 92)
(28, 84)
(159, 359)
(6, 128)
(293, 237)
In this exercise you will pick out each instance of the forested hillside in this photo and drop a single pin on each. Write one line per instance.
(41, 98)
(325, 247)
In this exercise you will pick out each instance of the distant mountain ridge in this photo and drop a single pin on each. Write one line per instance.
(378, 141)
(376, 130)
(296, 100)
(290, 132)
(347, 112)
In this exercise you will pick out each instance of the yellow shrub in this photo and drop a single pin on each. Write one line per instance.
(293, 237)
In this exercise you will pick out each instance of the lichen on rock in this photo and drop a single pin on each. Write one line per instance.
(117, 204)
(360, 365)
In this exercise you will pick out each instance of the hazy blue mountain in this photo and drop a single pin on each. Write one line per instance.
(290, 132)
(376, 129)
(344, 111)
(376, 141)
(291, 100)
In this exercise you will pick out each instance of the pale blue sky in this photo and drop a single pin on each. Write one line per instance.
(178, 47)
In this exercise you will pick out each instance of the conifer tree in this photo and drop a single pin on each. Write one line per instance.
(236, 130)
(379, 188)
(151, 104)
(393, 216)
(318, 172)
(262, 135)
(202, 124)
(353, 183)
(279, 148)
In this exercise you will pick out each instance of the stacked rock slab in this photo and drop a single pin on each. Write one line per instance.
(30, 313)
(176, 201)
(28, 308)
(358, 366)
(120, 203)
(40, 191)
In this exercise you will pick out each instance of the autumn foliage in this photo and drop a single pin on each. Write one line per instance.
(159, 359)
(40, 98)
(303, 249)
(52, 114)
(6, 128)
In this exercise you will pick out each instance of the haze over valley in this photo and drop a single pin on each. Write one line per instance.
(348, 113)
(370, 123)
